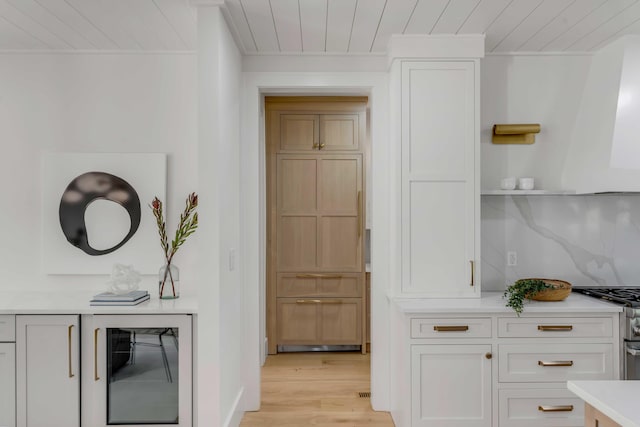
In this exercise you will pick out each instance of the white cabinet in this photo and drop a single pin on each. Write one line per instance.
(7, 384)
(451, 385)
(440, 166)
(136, 369)
(47, 371)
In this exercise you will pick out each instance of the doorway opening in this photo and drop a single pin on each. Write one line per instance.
(317, 155)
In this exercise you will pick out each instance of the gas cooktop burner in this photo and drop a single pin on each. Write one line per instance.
(627, 296)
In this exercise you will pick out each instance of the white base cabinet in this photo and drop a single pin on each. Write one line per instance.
(47, 371)
(7, 384)
(498, 370)
(451, 385)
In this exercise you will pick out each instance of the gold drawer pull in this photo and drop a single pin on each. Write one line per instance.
(559, 408)
(319, 301)
(456, 328)
(318, 276)
(555, 327)
(473, 272)
(95, 354)
(556, 363)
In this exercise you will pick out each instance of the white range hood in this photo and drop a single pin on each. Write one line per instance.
(604, 155)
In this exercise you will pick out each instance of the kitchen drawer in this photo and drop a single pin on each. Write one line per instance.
(451, 328)
(319, 321)
(7, 328)
(540, 408)
(555, 327)
(555, 362)
(320, 285)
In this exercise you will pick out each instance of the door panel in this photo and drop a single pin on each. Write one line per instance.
(339, 132)
(297, 243)
(7, 384)
(318, 285)
(340, 244)
(297, 185)
(297, 322)
(298, 132)
(339, 185)
(341, 323)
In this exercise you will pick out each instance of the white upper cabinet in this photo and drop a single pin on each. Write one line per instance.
(439, 164)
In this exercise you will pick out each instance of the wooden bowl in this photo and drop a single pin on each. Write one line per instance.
(560, 291)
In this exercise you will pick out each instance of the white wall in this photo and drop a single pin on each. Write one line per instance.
(220, 315)
(99, 102)
(545, 89)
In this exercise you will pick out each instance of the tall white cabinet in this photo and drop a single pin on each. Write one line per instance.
(435, 93)
(47, 371)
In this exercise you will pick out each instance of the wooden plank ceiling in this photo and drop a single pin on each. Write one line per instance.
(333, 26)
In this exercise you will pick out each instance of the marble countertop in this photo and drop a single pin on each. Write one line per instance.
(492, 302)
(77, 302)
(618, 400)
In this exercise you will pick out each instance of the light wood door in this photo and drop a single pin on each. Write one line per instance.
(299, 132)
(341, 132)
(451, 385)
(319, 321)
(440, 212)
(319, 213)
(47, 371)
(7, 384)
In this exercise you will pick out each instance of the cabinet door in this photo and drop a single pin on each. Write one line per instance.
(47, 363)
(7, 384)
(341, 132)
(319, 213)
(451, 385)
(138, 370)
(299, 132)
(439, 171)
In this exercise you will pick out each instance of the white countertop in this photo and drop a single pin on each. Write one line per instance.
(77, 302)
(492, 302)
(618, 400)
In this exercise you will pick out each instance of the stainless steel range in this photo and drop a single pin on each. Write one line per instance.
(629, 297)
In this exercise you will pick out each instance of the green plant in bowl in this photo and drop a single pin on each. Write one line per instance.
(521, 289)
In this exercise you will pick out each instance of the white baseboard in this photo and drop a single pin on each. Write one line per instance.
(236, 413)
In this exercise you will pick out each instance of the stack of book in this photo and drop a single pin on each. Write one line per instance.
(130, 298)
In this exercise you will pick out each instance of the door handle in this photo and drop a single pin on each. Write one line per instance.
(359, 201)
(70, 353)
(473, 269)
(95, 354)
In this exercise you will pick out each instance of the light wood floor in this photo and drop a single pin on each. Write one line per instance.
(316, 389)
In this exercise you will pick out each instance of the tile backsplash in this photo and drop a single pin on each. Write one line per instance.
(588, 240)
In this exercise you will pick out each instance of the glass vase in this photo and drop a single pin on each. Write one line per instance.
(169, 282)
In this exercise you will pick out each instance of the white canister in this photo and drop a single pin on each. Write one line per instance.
(526, 183)
(508, 183)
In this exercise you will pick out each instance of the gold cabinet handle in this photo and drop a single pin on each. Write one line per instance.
(70, 353)
(95, 355)
(473, 279)
(455, 328)
(558, 408)
(555, 327)
(488, 355)
(359, 201)
(315, 145)
(318, 276)
(322, 146)
(556, 363)
(319, 301)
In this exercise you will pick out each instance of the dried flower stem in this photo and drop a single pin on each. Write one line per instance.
(186, 227)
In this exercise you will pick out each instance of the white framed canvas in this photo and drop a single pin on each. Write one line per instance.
(95, 211)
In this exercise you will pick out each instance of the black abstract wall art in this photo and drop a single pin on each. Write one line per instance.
(81, 192)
